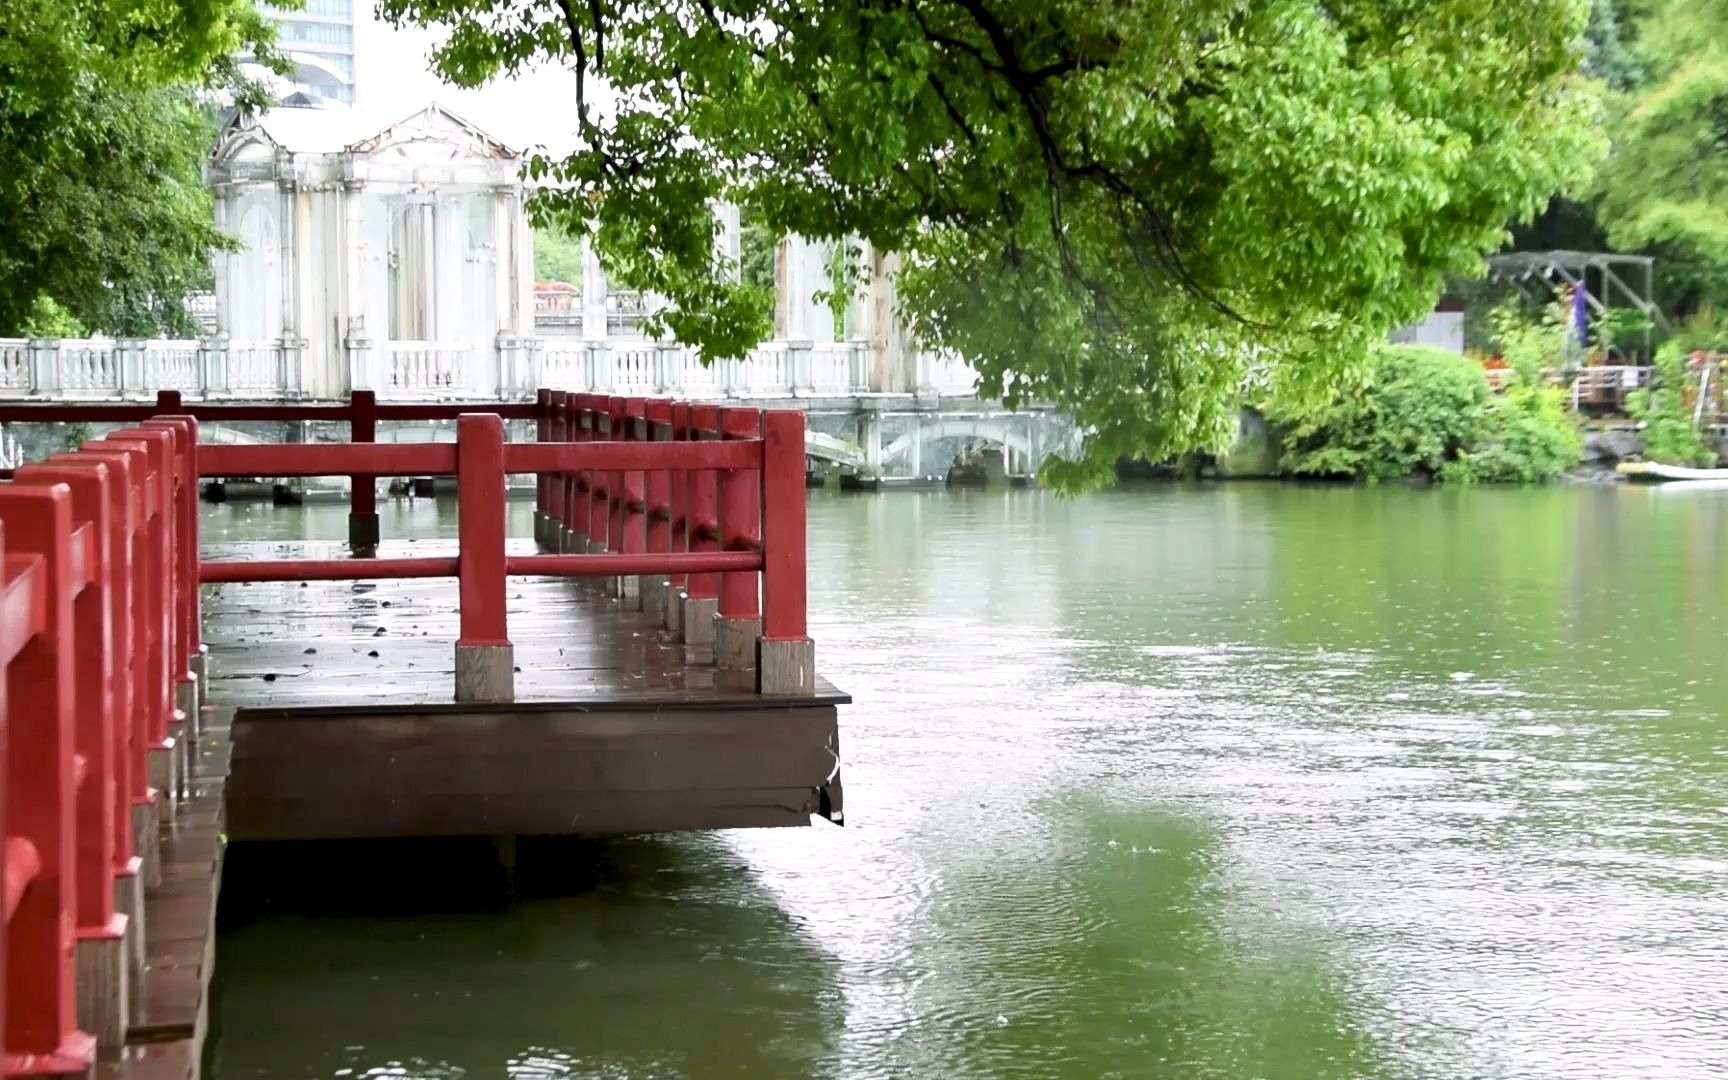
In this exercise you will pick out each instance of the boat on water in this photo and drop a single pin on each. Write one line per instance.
(1654, 472)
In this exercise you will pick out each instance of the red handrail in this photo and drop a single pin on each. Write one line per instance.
(697, 513)
(98, 631)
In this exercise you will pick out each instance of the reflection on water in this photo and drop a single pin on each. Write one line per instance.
(1244, 782)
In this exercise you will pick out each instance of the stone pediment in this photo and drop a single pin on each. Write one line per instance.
(434, 133)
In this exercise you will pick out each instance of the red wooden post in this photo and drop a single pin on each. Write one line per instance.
(556, 491)
(186, 656)
(677, 586)
(633, 504)
(363, 531)
(615, 432)
(100, 931)
(542, 483)
(786, 657)
(703, 590)
(739, 623)
(484, 658)
(657, 497)
(145, 812)
(157, 573)
(136, 839)
(569, 489)
(581, 483)
(599, 482)
(41, 1032)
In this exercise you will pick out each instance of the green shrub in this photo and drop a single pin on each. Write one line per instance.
(1668, 432)
(1421, 409)
(1429, 412)
(1530, 438)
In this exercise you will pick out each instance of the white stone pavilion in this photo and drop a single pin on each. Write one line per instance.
(378, 255)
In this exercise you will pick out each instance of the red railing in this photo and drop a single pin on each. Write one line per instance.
(607, 469)
(693, 513)
(99, 643)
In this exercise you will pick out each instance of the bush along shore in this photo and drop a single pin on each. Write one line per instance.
(1425, 415)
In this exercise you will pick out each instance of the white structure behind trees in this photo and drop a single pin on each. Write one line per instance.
(405, 244)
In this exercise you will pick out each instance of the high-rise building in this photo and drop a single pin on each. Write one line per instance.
(319, 38)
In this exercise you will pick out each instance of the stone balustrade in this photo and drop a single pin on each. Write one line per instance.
(509, 368)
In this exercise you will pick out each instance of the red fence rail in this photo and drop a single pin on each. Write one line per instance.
(99, 645)
(691, 513)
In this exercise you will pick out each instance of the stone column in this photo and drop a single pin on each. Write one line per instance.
(507, 347)
(668, 368)
(213, 364)
(290, 356)
(354, 297)
(293, 263)
(45, 365)
(870, 439)
(129, 358)
(600, 356)
(593, 294)
(885, 339)
(799, 368)
(362, 373)
(801, 271)
(221, 261)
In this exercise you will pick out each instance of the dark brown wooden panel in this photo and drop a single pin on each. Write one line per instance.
(545, 771)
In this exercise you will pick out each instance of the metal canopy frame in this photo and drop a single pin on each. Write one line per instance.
(1525, 269)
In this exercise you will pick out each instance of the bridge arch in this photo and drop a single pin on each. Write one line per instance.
(1007, 432)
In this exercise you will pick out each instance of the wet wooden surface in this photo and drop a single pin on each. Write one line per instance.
(366, 645)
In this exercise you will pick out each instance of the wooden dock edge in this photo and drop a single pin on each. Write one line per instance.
(170, 1014)
(590, 770)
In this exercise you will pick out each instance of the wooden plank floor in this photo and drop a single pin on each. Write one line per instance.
(363, 645)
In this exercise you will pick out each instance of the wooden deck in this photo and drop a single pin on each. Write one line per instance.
(346, 723)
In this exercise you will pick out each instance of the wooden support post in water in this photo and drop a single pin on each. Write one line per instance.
(363, 487)
(484, 659)
(786, 657)
(739, 622)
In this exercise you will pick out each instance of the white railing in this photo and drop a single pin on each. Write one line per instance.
(563, 364)
(510, 367)
(635, 369)
(427, 369)
(172, 365)
(60, 368)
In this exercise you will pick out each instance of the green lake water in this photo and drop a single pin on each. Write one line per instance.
(1250, 781)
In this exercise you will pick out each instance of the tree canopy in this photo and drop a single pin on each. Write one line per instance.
(104, 128)
(1665, 187)
(1122, 209)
